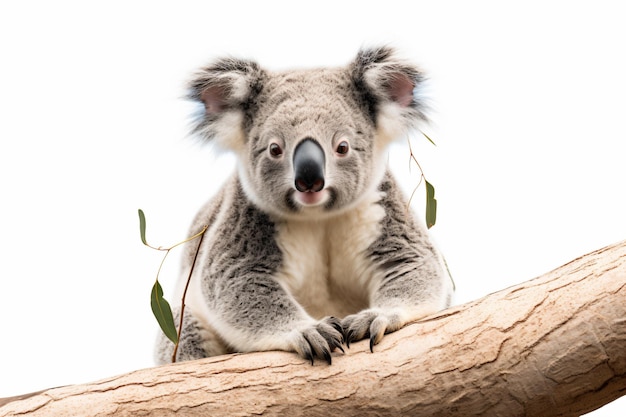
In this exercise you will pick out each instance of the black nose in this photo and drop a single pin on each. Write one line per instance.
(308, 164)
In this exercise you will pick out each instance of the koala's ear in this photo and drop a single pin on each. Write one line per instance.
(388, 88)
(226, 90)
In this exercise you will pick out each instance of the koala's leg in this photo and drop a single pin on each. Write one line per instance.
(408, 291)
(258, 314)
(410, 283)
(198, 340)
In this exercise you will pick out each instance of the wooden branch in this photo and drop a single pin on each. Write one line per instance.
(552, 346)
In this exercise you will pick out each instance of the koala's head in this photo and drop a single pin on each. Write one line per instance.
(309, 142)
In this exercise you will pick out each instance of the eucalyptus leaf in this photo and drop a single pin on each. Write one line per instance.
(431, 205)
(429, 139)
(142, 227)
(163, 313)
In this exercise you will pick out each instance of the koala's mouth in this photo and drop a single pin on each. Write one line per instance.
(298, 200)
(311, 198)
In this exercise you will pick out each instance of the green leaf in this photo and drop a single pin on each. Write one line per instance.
(431, 205)
(429, 139)
(142, 227)
(163, 313)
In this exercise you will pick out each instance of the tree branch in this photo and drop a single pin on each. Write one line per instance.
(552, 346)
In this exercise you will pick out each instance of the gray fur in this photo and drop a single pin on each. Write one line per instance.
(278, 265)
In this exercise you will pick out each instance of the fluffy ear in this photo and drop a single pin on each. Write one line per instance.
(388, 89)
(226, 91)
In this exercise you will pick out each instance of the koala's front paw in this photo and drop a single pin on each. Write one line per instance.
(319, 339)
(373, 323)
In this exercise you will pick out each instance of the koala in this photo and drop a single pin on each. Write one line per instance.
(310, 244)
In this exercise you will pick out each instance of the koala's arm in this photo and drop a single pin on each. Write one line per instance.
(246, 305)
(410, 283)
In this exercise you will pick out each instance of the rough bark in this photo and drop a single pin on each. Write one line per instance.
(552, 346)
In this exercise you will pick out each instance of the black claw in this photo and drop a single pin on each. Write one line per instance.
(335, 344)
(337, 325)
(340, 330)
(327, 356)
(372, 344)
(349, 338)
(310, 355)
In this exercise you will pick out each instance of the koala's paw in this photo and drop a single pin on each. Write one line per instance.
(319, 340)
(372, 323)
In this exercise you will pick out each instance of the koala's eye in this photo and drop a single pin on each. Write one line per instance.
(275, 150)
(342, 148)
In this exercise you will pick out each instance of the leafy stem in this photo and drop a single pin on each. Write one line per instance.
(182, 308)
(431, 202)
(160, 307)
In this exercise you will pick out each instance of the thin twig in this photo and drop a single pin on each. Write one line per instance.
(182, 307)
(422, 177)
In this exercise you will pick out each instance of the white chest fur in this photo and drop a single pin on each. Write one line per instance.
(325, 264)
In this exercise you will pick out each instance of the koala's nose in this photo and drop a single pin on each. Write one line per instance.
(308, 164)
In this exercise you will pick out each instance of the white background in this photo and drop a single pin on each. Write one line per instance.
(528, 114)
